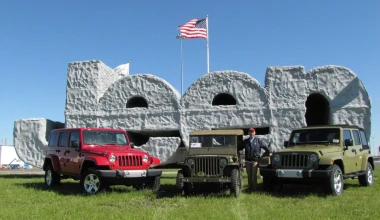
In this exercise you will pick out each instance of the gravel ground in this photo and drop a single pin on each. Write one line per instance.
(22, 171)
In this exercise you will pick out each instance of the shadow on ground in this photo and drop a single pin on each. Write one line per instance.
(288, 190)
(65, 188)
(301, 190)
(70, 187)
(295, 191)
(210, 190)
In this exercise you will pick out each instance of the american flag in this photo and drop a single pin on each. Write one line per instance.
(195, 28)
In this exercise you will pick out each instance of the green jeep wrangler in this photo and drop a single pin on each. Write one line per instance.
(327, 154)
(213, 158)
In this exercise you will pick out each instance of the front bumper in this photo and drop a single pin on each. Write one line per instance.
(295, 173)
(206, 180)
(129, 173)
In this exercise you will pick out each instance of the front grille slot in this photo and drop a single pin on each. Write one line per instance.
(130, 161)
(294, 160)
(209, 166)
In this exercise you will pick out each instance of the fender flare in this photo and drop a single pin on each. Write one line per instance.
(54, 161)
(367, 158)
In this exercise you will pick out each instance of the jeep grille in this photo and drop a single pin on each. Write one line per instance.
(209, 166)
(130, 161)
(294, 160)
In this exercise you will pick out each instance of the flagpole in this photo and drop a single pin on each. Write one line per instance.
(180, 38)
(129, 67)
(208, 52)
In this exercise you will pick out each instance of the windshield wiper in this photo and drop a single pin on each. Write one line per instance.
(322, 142)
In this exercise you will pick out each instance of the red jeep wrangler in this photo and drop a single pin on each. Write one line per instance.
(98, 157)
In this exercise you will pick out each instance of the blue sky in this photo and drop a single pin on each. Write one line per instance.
(39, 38)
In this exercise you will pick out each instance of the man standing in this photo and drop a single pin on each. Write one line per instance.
(253, 146)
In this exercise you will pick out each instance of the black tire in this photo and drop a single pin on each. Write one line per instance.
(179, 182)
(367, 178)
(91, 182)
(52, 178)
(235, 184)
(334, 184)
(268, 183)
(183, 187)
(156, 184)
(241, 179)
(153, 184)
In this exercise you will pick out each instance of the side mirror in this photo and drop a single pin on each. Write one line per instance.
(132, 145)
(286, 143)
(75, 144)
(348, 142)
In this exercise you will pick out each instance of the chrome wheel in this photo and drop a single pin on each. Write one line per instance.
(334, 183)
(51, 177)
(48, 177)
(91, 183)
(370, 176)
(338, 181)
(367, 178)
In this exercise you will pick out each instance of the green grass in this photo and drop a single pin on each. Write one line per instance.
(25, 197)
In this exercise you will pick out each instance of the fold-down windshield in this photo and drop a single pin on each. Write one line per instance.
(313, 136)
(212, 141)
(104, 137)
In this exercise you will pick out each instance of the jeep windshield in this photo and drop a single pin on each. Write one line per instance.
(212, 141)
(104, 137)
(315, 136)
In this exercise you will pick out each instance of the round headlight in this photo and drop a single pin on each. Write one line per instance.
(276, 158)
(223, 161)
(190, 161)
(112, 158)
(145, 158)
(313, 158)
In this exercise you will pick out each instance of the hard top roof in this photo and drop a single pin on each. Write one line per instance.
(333, 126)
(88, 129)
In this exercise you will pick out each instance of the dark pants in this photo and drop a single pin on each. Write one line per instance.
(251, 168)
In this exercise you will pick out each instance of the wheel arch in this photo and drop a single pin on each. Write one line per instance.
(90, 162)
(369, 160)
(339, 162)
(54, 161)
(227, 171)
(186, 169)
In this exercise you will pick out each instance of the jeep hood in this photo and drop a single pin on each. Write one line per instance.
(213, 151)
(312, 148)
(116, 149)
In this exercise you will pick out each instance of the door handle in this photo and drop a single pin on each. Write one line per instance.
(354, 150)
(67, 151)
(58, 151)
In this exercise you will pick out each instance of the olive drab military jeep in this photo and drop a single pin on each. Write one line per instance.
(321, 154)
(213, 158)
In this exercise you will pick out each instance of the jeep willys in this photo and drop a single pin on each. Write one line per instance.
(321, 154)
(213, 158)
